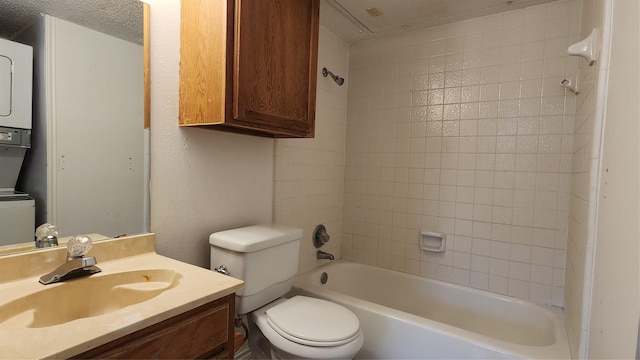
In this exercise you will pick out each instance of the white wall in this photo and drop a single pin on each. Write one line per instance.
(584, 179)
(602, 292)
(464, 129)
(202, 181)
(615, 300)
(309, 175)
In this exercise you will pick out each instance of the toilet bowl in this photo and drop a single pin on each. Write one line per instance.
(265, 257)
(305, 328)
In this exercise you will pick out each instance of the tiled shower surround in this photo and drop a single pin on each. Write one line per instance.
(464, 129)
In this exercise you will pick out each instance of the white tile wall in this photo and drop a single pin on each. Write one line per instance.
(464, 129)
(309, 173)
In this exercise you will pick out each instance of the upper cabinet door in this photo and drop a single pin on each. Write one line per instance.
(276, 47)
(250, 66)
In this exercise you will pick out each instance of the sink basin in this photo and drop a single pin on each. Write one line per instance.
(85, 297)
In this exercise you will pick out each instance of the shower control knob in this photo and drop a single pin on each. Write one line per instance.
(320, 236)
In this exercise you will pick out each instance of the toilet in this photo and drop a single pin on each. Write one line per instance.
(265, 257)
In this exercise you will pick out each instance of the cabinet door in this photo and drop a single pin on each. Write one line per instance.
(206, 64)
(275, 65)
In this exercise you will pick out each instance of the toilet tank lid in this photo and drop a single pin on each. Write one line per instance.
(254, 238)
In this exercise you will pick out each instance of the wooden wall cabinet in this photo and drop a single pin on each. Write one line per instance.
(204, 332)
(249, 66)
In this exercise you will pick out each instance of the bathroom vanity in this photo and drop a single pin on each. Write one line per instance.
(141, 305)
(202, 333)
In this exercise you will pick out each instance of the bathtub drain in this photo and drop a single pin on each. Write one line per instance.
(323, 278)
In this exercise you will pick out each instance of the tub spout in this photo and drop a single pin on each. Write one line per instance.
(321, 255)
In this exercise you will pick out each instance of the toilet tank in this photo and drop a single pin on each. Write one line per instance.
(264, 256)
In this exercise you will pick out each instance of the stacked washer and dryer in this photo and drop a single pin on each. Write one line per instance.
(17, 210)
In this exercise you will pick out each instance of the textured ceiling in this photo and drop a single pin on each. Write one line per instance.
(119, 18)
(350, 21)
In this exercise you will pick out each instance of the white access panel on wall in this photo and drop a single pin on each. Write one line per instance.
(16, 81)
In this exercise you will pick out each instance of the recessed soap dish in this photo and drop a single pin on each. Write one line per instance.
(433, 242)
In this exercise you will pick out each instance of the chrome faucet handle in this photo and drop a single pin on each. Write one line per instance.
(222, 269)
(72, 268)
(320, 236)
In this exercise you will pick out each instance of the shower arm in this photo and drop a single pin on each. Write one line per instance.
(339, 80)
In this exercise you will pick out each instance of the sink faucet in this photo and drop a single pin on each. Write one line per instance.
(321, 255)
(77, 263)
(49, 241)
(46, 236)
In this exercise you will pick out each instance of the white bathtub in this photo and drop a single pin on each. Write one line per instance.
(407, 316)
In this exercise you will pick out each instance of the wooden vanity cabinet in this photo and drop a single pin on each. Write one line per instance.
(249, 66)
(204, 332)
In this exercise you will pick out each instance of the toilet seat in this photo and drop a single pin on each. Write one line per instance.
(313, 322)
(295, 346)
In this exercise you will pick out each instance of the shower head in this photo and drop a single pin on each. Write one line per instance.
(339, 80)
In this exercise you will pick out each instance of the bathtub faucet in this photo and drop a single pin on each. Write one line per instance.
(321, 255)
